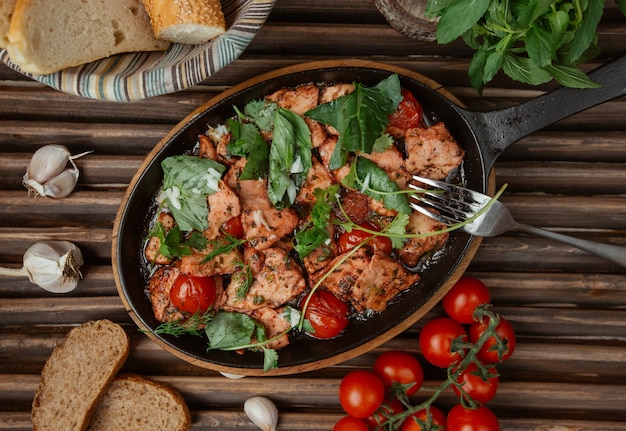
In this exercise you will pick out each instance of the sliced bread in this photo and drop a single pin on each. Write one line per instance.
(6, 11)
(191, 22)
(77, 374)
(133, 403)
(46, 36)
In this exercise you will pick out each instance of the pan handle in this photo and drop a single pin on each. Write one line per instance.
(497, 130)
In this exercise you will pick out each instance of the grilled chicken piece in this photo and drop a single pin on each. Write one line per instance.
(392, 162)
(224, 263)
(432, 152)
(223, 206)
(154, 243)
(342, 279)
(274, 323)
(299, 100)
(414, 248)
(159, 288)
(380, 282)
(317, 178)
(206, 148)
(326, 151)
(329, 93)
(278, 281)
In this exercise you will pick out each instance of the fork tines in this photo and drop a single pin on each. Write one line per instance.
(446, 203)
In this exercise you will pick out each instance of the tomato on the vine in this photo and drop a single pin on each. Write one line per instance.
(437, 420)
(464, 297)
(327, 314)
(350, 423)
(464, 419)
(193, 294)
(234, 227)
(489, 353)
(387, 408)
(361, 393)
(348, 240)
(436, 339)
(478, 389)
(409, 113)
(400, 367)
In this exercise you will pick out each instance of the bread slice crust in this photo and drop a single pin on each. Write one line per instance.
(77, 374)
(134, 403)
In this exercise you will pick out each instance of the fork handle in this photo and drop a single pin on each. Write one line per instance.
(614, 253)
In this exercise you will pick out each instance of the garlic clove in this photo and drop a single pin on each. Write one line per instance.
(262, 412)
(54, 265)
(47, 162)
(231, 375)
(61, 185)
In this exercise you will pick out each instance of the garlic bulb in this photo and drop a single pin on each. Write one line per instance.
(52, 265)
(262, 412)
(46, 174)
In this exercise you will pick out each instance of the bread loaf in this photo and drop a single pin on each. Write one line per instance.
(77, 374)
(46, 36)
(6, 11)
(133, 403)
(186, 21)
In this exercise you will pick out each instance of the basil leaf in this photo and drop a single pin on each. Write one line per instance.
(372, 180)
(525, 70)
(261, 113)
(248, 142)
(228, 330)
(621, 4)
(360, 117)
(458, 18)
(571, 77)
(528, 12)
(559, 21)
(289, 157)
(187, 180)
(476, 70)
(539, 46)
(587, 30)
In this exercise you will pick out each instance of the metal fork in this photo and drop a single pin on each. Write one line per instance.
(455, 204)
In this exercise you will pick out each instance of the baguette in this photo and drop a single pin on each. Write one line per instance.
(46, 36)
(133, 403)
(77, 374)
(189, 22)
(6, 11)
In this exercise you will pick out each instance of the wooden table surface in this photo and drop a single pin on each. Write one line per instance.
(568, 308)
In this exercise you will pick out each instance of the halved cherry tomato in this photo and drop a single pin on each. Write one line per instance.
(489, 353)
(479, 390)
(437, 420)
(234, 227)
(348, 240)
(399, 367)
(436, 341)
(350, 423)
(193, 294)
(361, 393)
(461, 301)
(464, 419)
(409, 113)
(328, 314)
(380, 417)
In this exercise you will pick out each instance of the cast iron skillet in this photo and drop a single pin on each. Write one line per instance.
(483, 136)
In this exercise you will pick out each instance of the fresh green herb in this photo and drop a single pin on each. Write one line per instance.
(532, 41)
(360, 117)
(222, 245)
(372, 180)
(289, 158)
(315, 233)
(187, 181)
(173, 244)
(192, 326)
(261, 113)
(245, 279)
(248, 142)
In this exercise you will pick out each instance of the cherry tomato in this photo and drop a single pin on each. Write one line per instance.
(480, 419)
(348, 240)
(350, 423)
(436, 341)
(400, 367)
(361, 393)
(328, 315)
(392, 407)
(437, 418)
(481, 391)
(409, 113)
(488, 353)
(234, 227)
(461, 301)
(193, 294)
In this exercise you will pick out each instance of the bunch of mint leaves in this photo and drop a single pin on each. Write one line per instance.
(531, 41)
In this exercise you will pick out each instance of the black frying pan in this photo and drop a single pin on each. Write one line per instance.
(483, 136)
